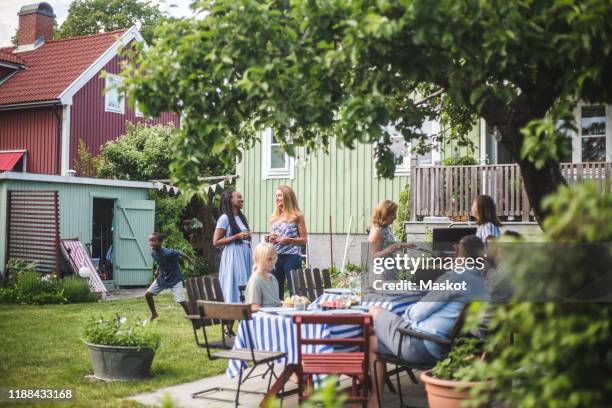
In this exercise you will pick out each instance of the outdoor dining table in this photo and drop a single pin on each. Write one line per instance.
(277, 332)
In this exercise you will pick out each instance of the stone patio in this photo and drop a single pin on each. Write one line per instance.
(414, 395)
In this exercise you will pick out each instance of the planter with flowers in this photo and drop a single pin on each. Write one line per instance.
(452, 380)
(121, 349)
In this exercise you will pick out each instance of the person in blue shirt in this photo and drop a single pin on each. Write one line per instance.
(435, 314)
(168, 274)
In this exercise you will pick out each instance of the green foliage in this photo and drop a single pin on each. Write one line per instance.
(121, 331)
(30, 284)
(86, 164)
(143, 153)
(312, 70)
(562, 353)
(76, 290)
(86, 17)
(8, 295)
(403, 215)
(460, 161)
(461, 358)
(16, 265)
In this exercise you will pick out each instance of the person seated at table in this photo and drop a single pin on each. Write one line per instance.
(262, 287)
(435, 314)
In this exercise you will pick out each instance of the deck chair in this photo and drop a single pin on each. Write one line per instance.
(310, 283)
(236, 311)
(206, 288)
(350, 363)
(77, 256)
(402, 365)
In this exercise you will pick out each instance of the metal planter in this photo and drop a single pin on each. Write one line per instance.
(117, 363)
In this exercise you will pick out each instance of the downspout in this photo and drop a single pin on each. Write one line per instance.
(58, 157)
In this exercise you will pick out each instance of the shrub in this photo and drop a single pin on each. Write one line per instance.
(460, 161)
(47, 298)
(30, 284)
(16, 265)
(76, 290)
(460, 359)
(121, 331)
(8, 295)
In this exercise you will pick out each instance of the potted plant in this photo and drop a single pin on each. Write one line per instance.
(451, 381)
(120, 349)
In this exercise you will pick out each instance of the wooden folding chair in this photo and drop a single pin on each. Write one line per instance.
(206, 288)
(351, 363)
(403, 365)
(235, 311)
(310, 283)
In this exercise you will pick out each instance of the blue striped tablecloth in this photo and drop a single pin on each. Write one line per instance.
(278, 332)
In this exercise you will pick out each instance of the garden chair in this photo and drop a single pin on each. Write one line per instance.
(310, 283)
(350, 363)
(241, 289)
(241, 312)
(206, 288)
(403, 365)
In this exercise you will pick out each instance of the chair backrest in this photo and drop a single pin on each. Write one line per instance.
(458, 324)
(203, 288)
(224, 312)
(241, 289)
(363, 342)
(310, 283)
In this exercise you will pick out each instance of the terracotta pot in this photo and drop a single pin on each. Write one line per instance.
(446, 393)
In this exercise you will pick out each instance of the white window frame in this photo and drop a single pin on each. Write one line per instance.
(577, 137)
(267, 171)
(137, 112)
(111, 82)
(403, 169)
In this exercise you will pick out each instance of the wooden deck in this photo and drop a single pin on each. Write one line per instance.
(414, 395)
(448, 191)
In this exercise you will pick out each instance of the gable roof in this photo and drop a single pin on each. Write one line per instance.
(53, 67)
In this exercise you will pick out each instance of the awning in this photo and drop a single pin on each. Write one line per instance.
(8, 160)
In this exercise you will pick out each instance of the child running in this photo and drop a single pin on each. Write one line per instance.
(262, 287)
(168, 274)
(483, 209)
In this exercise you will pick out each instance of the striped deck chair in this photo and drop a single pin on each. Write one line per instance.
(77, 256)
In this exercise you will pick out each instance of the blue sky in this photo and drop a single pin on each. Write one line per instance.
(9, 9)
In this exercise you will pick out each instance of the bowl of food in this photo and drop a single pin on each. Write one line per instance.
(298, 302)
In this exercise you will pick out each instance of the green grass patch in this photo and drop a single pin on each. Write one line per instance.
(42, 347)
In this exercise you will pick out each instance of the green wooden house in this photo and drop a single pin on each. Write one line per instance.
(113, 218)
(338, 189)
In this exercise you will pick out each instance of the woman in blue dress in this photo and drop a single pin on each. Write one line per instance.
(288, 235)
(232, 233)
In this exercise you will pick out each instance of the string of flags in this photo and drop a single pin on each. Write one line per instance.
(164, 186)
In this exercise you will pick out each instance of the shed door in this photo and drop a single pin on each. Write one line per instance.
(134, 222)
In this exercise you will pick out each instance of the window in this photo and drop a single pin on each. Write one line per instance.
(114, 100)
(137, 111)
(402, 149)
(276, 163)
(593, 133)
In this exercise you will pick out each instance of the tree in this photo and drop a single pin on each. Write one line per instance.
(312, 69)
(86, 17)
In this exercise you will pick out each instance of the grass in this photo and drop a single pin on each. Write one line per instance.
(41, 347)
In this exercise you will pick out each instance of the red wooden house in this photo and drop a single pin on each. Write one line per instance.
(52, 94)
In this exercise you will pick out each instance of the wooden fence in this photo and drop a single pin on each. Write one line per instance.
(449, 190)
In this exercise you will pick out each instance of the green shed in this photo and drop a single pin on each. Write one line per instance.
(112, 218)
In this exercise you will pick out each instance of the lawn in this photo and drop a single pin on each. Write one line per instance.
(41, 347)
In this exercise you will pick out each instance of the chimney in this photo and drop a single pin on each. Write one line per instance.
(35, 21)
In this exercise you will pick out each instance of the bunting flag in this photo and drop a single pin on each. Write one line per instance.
(161, 185)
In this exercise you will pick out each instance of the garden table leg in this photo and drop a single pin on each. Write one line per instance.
(278, 384)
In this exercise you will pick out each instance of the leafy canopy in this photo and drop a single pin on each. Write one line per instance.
(310, 69)
(86, 17)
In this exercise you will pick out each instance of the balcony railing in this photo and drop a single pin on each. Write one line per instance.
(449, 190)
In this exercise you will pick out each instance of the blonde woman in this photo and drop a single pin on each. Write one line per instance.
(382, 242)
(288, 234)
(262, 288)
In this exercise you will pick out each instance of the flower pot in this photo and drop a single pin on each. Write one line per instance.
(120, 363)
(446, 393)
